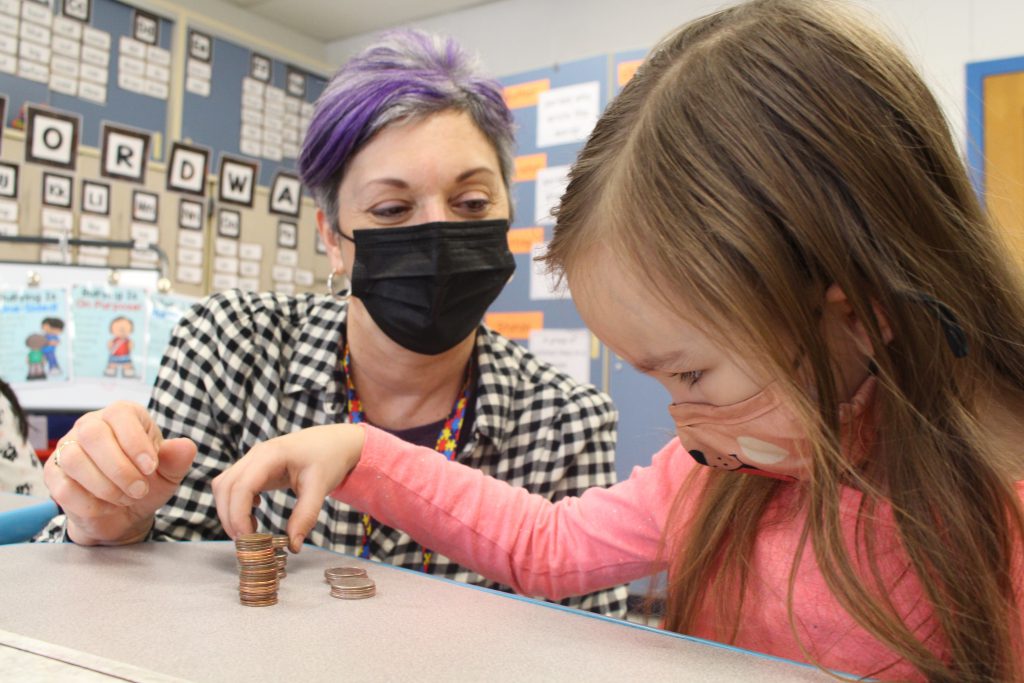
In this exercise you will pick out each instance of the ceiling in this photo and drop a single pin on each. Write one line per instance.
(330, 20)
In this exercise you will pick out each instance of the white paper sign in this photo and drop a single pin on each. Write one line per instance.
(542, 284)
(190, 240)
(226, 247)
(190, 275)
(224, 281)
(225, 264)
(251, 251)
(551, 183)
(197, 86)
(146, 234)
(287, 257)
(568, 350)
(249, 268)
(57, 219)
(567, 115)
(8, 211)
(283, 274)
(190, 257)
(94, 226)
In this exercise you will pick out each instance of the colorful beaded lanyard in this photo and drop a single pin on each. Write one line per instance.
(447, 440)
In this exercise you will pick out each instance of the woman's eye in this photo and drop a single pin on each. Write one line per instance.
(689, 378)
(388, 212)
(475, 205)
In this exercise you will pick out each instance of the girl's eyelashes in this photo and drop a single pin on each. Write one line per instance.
(690, 377)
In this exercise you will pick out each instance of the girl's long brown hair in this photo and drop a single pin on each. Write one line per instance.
(760, 155)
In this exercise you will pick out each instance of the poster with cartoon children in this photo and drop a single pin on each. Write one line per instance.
(166, 310)
(110, 325)
(32, 347)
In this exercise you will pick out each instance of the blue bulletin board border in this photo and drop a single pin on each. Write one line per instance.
(977, 72)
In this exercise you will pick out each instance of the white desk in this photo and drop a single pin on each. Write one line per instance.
(159, 610)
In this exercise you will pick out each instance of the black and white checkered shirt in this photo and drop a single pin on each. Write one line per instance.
(245, 367)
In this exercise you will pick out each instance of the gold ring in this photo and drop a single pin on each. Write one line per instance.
(56, 453)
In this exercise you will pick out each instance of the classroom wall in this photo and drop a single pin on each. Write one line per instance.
(221, 14)
(942, 36)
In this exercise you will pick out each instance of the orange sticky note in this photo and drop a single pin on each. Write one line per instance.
(525, 94)
(521, 240)
(515, 324)
(527, 166)
(627, 70)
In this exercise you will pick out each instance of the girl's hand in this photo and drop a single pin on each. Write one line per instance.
(311, 462)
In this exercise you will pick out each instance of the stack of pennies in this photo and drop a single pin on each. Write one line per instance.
(257, 570)
(280, 543)
(350, 583)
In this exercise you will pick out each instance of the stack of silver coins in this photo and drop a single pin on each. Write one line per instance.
(280, 555)
(350, 583)
(257, 570)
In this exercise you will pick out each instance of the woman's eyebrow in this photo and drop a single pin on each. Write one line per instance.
(472, 172)
(392, 182)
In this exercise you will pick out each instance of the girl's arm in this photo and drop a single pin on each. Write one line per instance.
(602, 538)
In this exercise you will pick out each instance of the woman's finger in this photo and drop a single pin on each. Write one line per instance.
(72, 497)
(95, 439)
(134, 436)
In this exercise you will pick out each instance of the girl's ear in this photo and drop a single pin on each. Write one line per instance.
(838, 307)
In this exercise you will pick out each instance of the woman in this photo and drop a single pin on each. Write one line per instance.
(408, 157)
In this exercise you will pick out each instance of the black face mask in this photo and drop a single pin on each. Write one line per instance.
(427, 286)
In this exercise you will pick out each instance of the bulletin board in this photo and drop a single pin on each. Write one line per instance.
(106, 18)
(995, 142)
(644, 424)
(554, 110)
(214, 120)
(624, 65)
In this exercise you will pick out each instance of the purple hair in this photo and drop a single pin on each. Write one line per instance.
(405, 74)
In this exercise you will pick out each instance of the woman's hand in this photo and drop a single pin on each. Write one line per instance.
(113, 471)
(311, 462)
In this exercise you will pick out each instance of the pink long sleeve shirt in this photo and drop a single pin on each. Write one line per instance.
(611, 536)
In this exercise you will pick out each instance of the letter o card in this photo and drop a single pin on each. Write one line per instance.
(187, 172)
(51, 138)
(124, 153)
(286, 194)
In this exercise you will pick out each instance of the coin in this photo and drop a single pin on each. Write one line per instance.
(258, 570)
(342, 572)
(279, 541)
(353, 587)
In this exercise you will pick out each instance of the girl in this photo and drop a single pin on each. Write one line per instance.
(772, 220)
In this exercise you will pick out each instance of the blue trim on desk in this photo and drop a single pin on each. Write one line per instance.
(22, 524)
(977, 72)
(601, 617)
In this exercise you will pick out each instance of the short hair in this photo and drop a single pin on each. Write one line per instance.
(54, 322)
(406, 74)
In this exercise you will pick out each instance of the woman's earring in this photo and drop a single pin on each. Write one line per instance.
(339, 278)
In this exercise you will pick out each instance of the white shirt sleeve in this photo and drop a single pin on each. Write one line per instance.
(20, 469)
